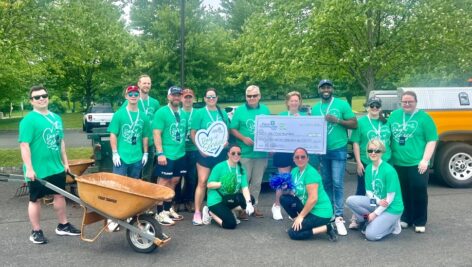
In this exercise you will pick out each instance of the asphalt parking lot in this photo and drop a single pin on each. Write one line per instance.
(254, 243)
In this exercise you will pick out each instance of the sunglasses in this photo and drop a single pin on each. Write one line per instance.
(38, 97)
(252, 96)
(300, 157)
(133, 94)
(374, 106)
(375, 151)
(211, 97)
(235, 153)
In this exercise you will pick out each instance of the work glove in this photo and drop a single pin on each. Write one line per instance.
(144, 159)
(249, 208)
(116, 159)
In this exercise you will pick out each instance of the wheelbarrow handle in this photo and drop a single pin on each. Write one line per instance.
(71, 174)
(60, 191)
(4, 177)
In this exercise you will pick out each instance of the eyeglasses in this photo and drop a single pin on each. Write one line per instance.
(133, 94)
(374, 106)
(37, 97)
(211, 97)
(252, 96)
(235, 153)
(374, 151)
(408, 102)
(299, 157)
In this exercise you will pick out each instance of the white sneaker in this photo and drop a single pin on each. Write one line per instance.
(112, 226)
(277, 213)
(398, 228)
(420, 229)
(404, 225)
(341, 229)
(174, 215)
(164, 219)
(206, 217)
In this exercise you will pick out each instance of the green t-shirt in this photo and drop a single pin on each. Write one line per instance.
(44, 134)
(382, 182)
(173, 133)
(203, 118)
(337, 134)
(130, 133)
(222, 172)
(369, 130)
(419, 129)
(189, 145)
(323, 206)
(148, 107)
(244, 120)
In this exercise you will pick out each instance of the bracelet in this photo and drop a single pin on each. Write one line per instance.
(160, 154)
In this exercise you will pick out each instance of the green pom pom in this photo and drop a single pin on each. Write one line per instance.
(229, 183)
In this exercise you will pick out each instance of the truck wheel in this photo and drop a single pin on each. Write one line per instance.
(148, 224)
(455, 164)
(88, 128)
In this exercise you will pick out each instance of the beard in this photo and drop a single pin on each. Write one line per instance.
(326, 96)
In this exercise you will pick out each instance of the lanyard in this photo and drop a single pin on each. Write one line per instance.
(53, 121)
(329, 106)
(405, 124)
(209, 115)
(375, 173)
(288, 114)
(131, 119)
(172, 112)
(299, 177)
(145, 107)
(377, 131)
(238, 176)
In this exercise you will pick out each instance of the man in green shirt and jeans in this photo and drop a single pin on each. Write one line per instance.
(41, 138)
(243, 127)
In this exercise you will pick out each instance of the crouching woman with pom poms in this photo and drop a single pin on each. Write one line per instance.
(227, 190)
(308, 204)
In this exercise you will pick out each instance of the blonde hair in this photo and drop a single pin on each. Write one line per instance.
(293, 93)
(253, 89)
(377, 143)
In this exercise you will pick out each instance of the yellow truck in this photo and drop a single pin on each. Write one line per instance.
(451, 110)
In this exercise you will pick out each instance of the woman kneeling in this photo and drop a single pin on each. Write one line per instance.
(379, 211)
(309, 204)
(227, 189)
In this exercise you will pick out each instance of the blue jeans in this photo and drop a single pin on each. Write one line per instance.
(333, 166)
(132, 170)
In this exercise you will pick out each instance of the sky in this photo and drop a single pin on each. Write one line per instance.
(212, 3)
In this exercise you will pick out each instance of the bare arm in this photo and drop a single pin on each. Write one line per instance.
(312, 190)
(145, 144)
(246, 140)
(357, 155)
(113, 142)
(246, 194)
(348, 124)
(427, 154)
(26, 157)
(214, 185)
(161, 159)
(65, 161)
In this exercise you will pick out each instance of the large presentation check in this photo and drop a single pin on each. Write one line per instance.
(284, 134)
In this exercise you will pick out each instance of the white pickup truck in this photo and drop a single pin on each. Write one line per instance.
(99, 115)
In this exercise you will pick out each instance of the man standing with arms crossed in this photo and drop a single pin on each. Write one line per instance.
(339, 116)
(44, 158)
(169, 132)
(243, 127)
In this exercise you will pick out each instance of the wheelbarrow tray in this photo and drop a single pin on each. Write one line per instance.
(118, 196)
(78, 167)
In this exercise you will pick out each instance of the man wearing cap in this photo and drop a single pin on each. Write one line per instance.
(147, 105)
(243, 127)
(369, 127)
(339, 117)
(169, 132)
(129, 130)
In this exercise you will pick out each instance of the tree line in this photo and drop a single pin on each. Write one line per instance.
(87, 51)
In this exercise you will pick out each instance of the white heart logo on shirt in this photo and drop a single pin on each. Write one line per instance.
(49, 138)
(211, 141)
(398, 131)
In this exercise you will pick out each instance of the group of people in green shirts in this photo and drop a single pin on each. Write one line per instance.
(158, 144)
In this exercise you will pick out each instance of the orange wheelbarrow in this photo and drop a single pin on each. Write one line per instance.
(119, 198)
(78, 167)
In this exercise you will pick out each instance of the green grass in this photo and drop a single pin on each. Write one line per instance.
(74, 120)
(12, 157)
(70, 120)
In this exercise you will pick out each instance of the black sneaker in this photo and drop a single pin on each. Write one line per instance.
(331, 232)
(67, 229)
(37, 237)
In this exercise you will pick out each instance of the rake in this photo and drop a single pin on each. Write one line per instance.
(20, 191)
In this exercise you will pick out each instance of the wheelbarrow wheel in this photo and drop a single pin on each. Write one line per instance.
(148, 224)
